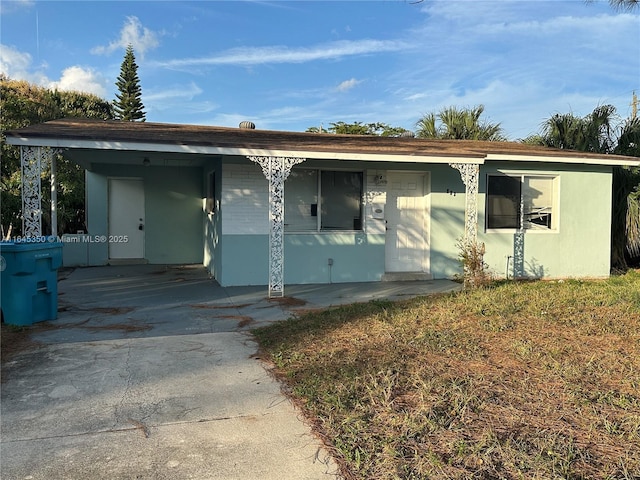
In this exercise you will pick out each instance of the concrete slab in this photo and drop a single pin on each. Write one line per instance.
(150, 373)
(188, 406)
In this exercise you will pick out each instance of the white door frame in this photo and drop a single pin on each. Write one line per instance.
(423, 265)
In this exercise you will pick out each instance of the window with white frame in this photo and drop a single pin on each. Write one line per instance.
(522, 202)
(319, 200)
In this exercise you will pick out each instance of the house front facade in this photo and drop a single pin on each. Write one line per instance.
(260, 207)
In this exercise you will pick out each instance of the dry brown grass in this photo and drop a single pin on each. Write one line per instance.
(537, 380)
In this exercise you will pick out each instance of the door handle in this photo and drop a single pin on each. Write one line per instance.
(141, 227)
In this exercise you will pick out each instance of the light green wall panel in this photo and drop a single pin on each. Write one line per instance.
(357, 257)
(96, 187)
(173, 212)
(177, 230)
(173, 208)
(579, 248)
(447, 220)
(245, 260)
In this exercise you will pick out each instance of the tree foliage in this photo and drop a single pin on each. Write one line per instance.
(359, 128)
(626, 182)
(595, 132)
(629, 138)
(628, 5)
(23, 104)
(602, 132)
(458, 124)
(128, 104)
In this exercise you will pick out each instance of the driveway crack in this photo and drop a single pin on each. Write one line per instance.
(127, 387)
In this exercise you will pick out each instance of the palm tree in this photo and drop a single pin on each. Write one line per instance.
(627, 187)
(592, 133)
(629, 138)
(458, 124)
(624, 4)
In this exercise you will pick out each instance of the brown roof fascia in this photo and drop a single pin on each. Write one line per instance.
(84, 129)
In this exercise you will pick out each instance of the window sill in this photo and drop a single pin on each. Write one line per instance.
(321, 232)
(535, 231)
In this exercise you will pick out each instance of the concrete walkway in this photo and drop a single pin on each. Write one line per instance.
(150, 373)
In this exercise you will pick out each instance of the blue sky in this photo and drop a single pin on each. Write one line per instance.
(289, 65)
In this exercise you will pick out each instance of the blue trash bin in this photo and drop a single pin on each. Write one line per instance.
(29, 288)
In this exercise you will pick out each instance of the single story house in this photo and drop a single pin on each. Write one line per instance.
(259, 207)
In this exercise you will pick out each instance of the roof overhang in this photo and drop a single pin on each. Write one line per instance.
(240, 151)
(588, 160)
(92, 134)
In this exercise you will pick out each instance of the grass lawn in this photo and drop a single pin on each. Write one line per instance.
(521, 380)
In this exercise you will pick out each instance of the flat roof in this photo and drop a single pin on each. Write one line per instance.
(180, 138)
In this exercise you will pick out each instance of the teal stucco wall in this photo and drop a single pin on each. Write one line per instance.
(356, 257)
(580, 246)
(97, 187)
(173, 212)
(233, 241)
(447, 221)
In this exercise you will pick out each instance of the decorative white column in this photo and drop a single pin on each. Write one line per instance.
(33, 160)
(30, 159)
(276, 170)
(470, 173)
(54, 197)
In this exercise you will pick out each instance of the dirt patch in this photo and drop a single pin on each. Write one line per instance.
(305, 311)
(122, 327)
(140, 426)
(288, 301)
(243, 320)
(216, 307)
(14, 340)
(103, 310)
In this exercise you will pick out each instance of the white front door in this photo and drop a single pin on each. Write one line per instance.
(126, 218)
(405, 244)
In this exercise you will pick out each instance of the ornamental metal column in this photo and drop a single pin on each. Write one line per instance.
(470, 173)
(54, 197)
(276, 170)
(32, 160)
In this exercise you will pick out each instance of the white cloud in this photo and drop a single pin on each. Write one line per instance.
(17, 65)
(348, 84)
(133, 33)
(182, 92)
(246, 56)
(524, 61)
(231, 120)
(12, 61)
(15, 5)
(81, 80)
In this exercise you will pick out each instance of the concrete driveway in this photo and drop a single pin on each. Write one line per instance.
(150, 373)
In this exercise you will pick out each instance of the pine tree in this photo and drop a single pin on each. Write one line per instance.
(128, 104)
